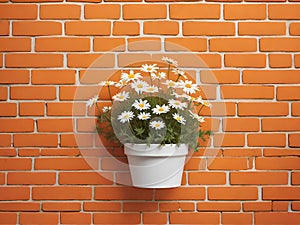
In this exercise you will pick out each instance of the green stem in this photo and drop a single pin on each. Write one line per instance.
(169, 67)
(109, 93)
(177, 78)
(200, 110)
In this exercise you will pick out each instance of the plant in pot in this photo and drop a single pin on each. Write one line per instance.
(156, 115)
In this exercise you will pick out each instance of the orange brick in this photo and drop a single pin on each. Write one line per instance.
(207, 178)
(36, 28)
(102, 206)
(155, 218)
(232, 193)
(281, 124)
(244, 11)
(62, 44)
(126, 28)
(63, 12)
(33, 92)
(261, 28)
(295, 205)
(16, 125)
(295, 28)
(107, 11)
(176, 206)
(270, 218)
(55, 125)
(32, 140)
(195, 164)
(296, 109)
(208, 28)
(93, 1)
(281, 193)
(194, 218)
(233, 44)
(263, 109)
(144, 44)
(220, 76)
(236, 218)
(295, 178)
(31, 109)
(277, 163)
(19, 206)
(183, 193)
(257, 206)
(242, 152)
(109, 44)
(288, 93)
(3, 93)
(294, 140)
(4, 27)
(14, 77)
(82, 28)
(280, 152)
(53, 76)
(122, 193)
(5, 140)
(273, 140)
(271, 76)
(18, 11)
(247, 92)
(33, 60)
(61, 193)
(64, 164)
(61, 206)
(7, 152)
(229, 140)
(35, 178)
(15, 44)
(117, 218)
(279, 44)
(60, 152)
(36, 218)
(90, 60)
(186, 44)
(28, 152)
(245, 60)
(240, 124)
(284, 12)
(280, 60)
(84, 178)
(161, 27)
(65, 109)
(79, 140)
(140, 206)
(280, 206)
(8, 109)
(15, 164)
(219, 206)
(75, 218)
(14, 193)
(144, 11)
(228, 164)
(194, 11)
(8, 218)
(258, 178)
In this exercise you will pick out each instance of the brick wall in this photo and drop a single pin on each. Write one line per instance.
(250, 176)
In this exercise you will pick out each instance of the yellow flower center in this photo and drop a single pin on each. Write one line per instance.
(157, 125)
(131, 76)
(161, 109)
(140, 86)
(149, 69)
(188, 85)
(126, 116)
(141, 105)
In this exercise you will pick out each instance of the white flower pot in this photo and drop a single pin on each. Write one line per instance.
(156, 166)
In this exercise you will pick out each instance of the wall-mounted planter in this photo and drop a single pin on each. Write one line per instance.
(156, 166)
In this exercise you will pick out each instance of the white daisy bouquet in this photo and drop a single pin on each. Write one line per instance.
(153, 107)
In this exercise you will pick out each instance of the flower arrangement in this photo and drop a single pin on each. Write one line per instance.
(153, 107)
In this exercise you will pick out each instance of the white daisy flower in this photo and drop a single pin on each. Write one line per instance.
(122, 96)
(121, 84)
(144, 116)
(201, 101)
(179, 118)
(188, 86)
(179, 72)
(125, 116)
(161, 109)
(141, 104)
(171, 84)
(107, 83)
(177, 104)
(170, 61)
(106, 109)
(159, 75)
(197, 117)
(92, 101)
(149, 68)
(131, 76)
(152, 89)
(139, 86)
(188, 97)
(157, 125)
